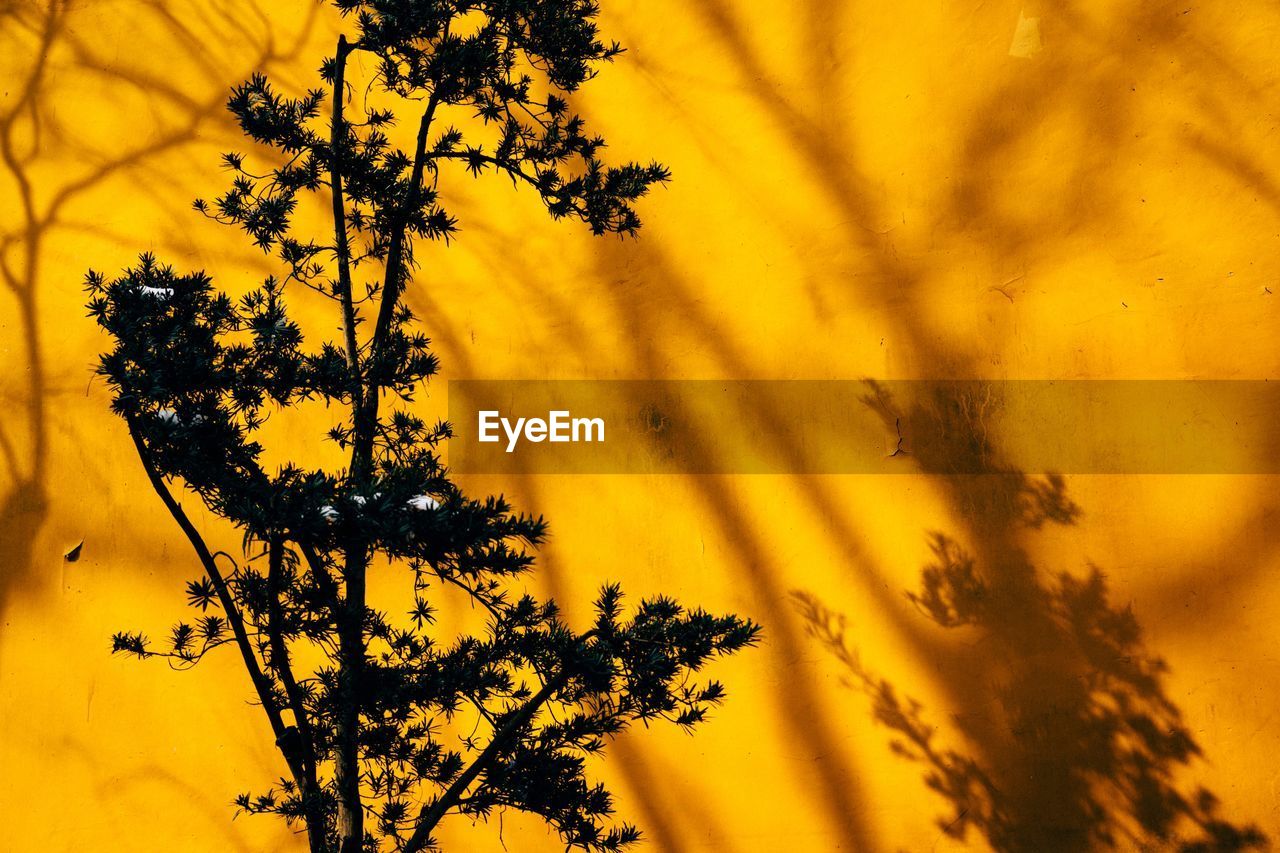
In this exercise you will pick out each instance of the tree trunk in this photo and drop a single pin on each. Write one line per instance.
(347, 725)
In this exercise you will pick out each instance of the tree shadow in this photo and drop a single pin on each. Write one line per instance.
(1068, 737)
(1037, 748)
(52, 160)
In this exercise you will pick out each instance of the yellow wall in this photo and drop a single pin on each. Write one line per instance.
(1074, 189)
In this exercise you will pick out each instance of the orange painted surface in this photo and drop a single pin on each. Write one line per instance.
(919, 190)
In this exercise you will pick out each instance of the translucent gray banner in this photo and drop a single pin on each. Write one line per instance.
(865, 427)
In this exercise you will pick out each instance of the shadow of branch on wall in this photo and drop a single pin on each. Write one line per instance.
(50, 159)
(1070, 740)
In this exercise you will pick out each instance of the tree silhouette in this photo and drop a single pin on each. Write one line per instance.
(365, 732)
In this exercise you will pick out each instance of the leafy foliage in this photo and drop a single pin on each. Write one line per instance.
(371, 734)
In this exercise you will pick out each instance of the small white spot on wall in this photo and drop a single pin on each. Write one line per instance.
(1026, 37)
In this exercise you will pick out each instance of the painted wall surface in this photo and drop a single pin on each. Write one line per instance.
(916, 190)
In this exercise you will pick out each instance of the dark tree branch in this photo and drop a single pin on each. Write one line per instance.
(351, 612)
(365, 421)
(234, 618)
(279, 661)
(341, 248)
(507, 166)
(393, 281)
(318, 568)
(433, 813)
